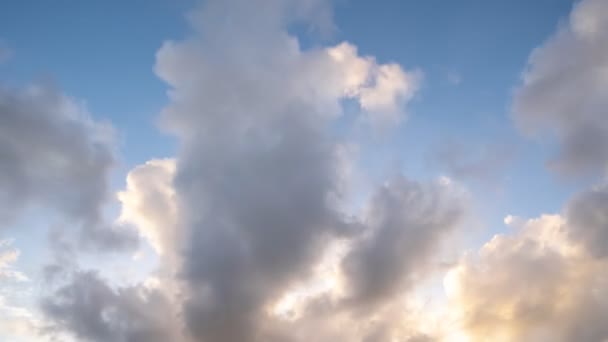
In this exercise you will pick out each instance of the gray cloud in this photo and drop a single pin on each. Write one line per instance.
(405, 223)
(95, 312)
(563, 91)
(52, 155)
(258, 169)
(587, 216)
(260, 216)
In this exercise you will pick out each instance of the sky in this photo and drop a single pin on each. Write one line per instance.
(304, 170)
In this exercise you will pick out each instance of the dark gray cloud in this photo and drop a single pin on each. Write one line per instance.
(257, 220)
(93, 311)
(53, 156)
(405, 222)
(587, 215)
(563, 94)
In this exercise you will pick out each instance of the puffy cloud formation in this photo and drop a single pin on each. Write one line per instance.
(403, 224)
(93, 311)
(245, 211)
(564, 91)
(381, 90)
(149, 203)
(258, 168)
(587, 217)
(539, 283)
(249, 224)
(52, 155)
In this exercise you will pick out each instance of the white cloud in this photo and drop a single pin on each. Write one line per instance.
(535, 284)
(381, 89)
(149, 203)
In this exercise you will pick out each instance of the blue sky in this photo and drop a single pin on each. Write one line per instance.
(461, 121)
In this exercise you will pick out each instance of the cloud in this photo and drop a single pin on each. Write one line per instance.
(248, 219)
(381, 90)
(18, 323)
(54, 156)
(536, 284)
(562, 94)
(587, 216)
(93, 311)
(8, 256)
(149, 203)
(254, 200)
(405, 222)
(257, 167)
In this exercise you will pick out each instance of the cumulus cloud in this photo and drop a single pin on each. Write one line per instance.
(252, 200)
(149, 203)
(405, 222)
(563, 89)
(248, 223)
(258, 168)
(93, 311)
(381, 90)
(536, 284)
(587, 216)
(54, 156)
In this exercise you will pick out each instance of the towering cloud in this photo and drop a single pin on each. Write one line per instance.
(563, 94)
(258, 168)
(255, 197)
